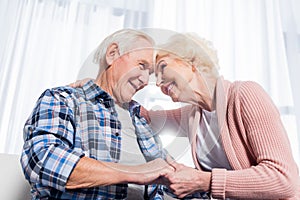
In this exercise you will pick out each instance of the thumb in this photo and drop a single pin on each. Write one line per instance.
(172, 162)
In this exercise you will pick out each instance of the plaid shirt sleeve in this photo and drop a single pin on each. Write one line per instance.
(150, 143)
(47, 156)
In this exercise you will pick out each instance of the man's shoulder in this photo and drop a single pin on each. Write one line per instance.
(65, 93)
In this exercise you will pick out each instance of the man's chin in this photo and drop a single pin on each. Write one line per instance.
(126, 99)
(175, 99)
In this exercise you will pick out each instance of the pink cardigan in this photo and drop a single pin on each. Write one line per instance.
(254, 140)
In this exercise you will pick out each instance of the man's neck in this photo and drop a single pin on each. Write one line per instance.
(104, 81)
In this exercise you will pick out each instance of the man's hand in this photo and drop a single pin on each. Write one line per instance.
(186, 180)
(79, 83)
(152, 172)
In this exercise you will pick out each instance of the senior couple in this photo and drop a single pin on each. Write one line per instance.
(72, 139)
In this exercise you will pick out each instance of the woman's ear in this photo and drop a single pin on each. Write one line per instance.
(112, 53)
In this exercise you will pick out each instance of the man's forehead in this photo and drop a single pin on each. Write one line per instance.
(141, 43)
(141, 49)
(146, 53)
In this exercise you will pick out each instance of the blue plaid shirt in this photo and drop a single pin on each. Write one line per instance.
(65, 125)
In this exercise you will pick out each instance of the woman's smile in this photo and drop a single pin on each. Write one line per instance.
(167, 88)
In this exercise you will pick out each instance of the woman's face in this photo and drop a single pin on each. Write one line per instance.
(173, 77)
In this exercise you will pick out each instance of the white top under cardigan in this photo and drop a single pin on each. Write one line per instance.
(210, 151)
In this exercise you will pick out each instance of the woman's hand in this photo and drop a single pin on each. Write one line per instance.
(79, 83)
(186, 180)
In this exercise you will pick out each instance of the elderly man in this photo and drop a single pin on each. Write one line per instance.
(73, 136)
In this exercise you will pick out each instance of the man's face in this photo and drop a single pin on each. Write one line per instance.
(131, 71)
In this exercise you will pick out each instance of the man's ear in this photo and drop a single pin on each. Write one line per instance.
(112, 53)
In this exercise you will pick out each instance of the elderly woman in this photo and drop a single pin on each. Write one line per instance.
(239, 145)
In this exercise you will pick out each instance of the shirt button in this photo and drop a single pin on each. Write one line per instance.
(117, 134)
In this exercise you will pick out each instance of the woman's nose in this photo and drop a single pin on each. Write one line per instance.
(158, 80)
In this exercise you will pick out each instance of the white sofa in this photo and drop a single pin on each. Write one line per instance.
(13, 185)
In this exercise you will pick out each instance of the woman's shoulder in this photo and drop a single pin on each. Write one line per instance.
(246, 88)
(244, 84)
(249, 93)
(238, 87)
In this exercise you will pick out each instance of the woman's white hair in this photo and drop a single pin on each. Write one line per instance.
(125, 39)
(192, 48)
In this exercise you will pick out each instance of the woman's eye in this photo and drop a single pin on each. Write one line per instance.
(162, 66)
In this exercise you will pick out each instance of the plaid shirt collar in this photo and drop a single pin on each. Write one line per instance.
(93, 92)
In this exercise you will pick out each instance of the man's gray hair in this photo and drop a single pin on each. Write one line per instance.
(125, 39)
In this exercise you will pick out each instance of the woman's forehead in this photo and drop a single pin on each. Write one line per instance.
(168, 56)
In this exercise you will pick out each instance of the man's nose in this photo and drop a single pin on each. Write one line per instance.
(144, 78)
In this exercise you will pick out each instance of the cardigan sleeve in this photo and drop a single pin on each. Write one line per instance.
(274, 174)
(174, 122)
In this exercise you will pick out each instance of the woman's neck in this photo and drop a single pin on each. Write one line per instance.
(205, 92)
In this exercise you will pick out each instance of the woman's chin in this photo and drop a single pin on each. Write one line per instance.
(180, 98)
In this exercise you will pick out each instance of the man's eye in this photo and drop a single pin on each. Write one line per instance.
(142, 65)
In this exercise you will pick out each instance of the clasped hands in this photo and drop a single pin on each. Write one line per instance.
(179, 178)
